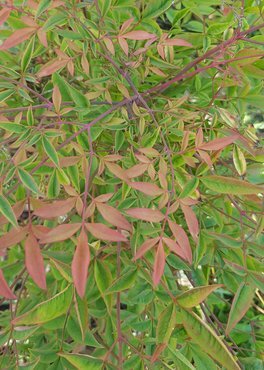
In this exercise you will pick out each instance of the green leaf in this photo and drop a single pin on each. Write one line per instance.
(155, 8)
(195, 296)
(189, 188)
(240, 305)
(28, 181)
(176, 353)
(43, 5)
(50, 151)
(47, 310)
(104, 6)
(204, 336)
(83, 362)
(166, 323)
(70, 91)
(7, 211)
(13, 127)
(228, 185)
(58, 19)
(53, 186)
(123, 282)
(26, 58)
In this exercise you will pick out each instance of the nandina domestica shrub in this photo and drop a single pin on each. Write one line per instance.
(131, 184)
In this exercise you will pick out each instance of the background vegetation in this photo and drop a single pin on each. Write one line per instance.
(131, 225)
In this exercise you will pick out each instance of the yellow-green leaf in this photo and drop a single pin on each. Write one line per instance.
(209, 342)
(28, 181)
(50, 150)
(240, 305)
(166, 323)
(195, 296)
(228, 185)
(47, 310)
(82, 362)
(239, 161)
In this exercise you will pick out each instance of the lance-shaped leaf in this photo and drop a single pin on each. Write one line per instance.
(147, 188)
(82, 362)
(146, 214)
(47, 310)
(176, 42)
(7, 211)
(191, 221)
(159, 264)
(136, 170)
(113, 216)
(34, 261)
(52, 67)
(227, 185)
(28, 181)
(17, 37)
(50, 151)
(182, 239)
(195, 296)
(146, 246)
(4, 14)
(11, 238)
(59, 233)
(239, 161)
(175, 248)
(17, 209)
(138, 35)
(55, 209)
(204, 336)
(166, 323)
(103, 232)
(5, 291)
(124, 282)
(80, 263)
(240, 305)
(220, 143)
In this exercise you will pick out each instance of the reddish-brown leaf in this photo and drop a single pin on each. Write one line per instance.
(218, 144)
(34, 261)
(52, 67)
(103, 232)
(60, 233)
(40, 231)
(56, 98)
(109, 44)
(13, 237)
(42, 35)
(65, 161)
(116, 170)
(191, 221)
(103, 197)
(55, 209)
(205, 157)
(176, 42)
(147, 245)
(199, 137)
(126, 24)
(147, 188)
(5, 291)
(113, 216)
(80, 263)
(182, 239)
(17, 37)
(175, 248)
(146, 214)
(123, 44)
(136, 170)
(159, 264)
(138, 35)
(4, 14)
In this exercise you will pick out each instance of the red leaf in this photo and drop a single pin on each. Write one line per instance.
(34, 261)
(191, 221)
(218, 144)
(80, 263)
(17, 37)
(60, 233)
(176, 42)
(104, 197)
(40, 231)
(103, 232)
(146, 214)
(52, 67)
(13, 237)
(4, 14)
(126, 24)
(55, 209)
(175, 248)
(116, 170)
(138, 35)
(5, 291)
(159, 264)
(123, 44)
(147, 188)
(182, 239)
(136, 170)
(147, 245)
(113, 216)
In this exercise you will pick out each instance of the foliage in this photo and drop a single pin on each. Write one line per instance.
(131, 206)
